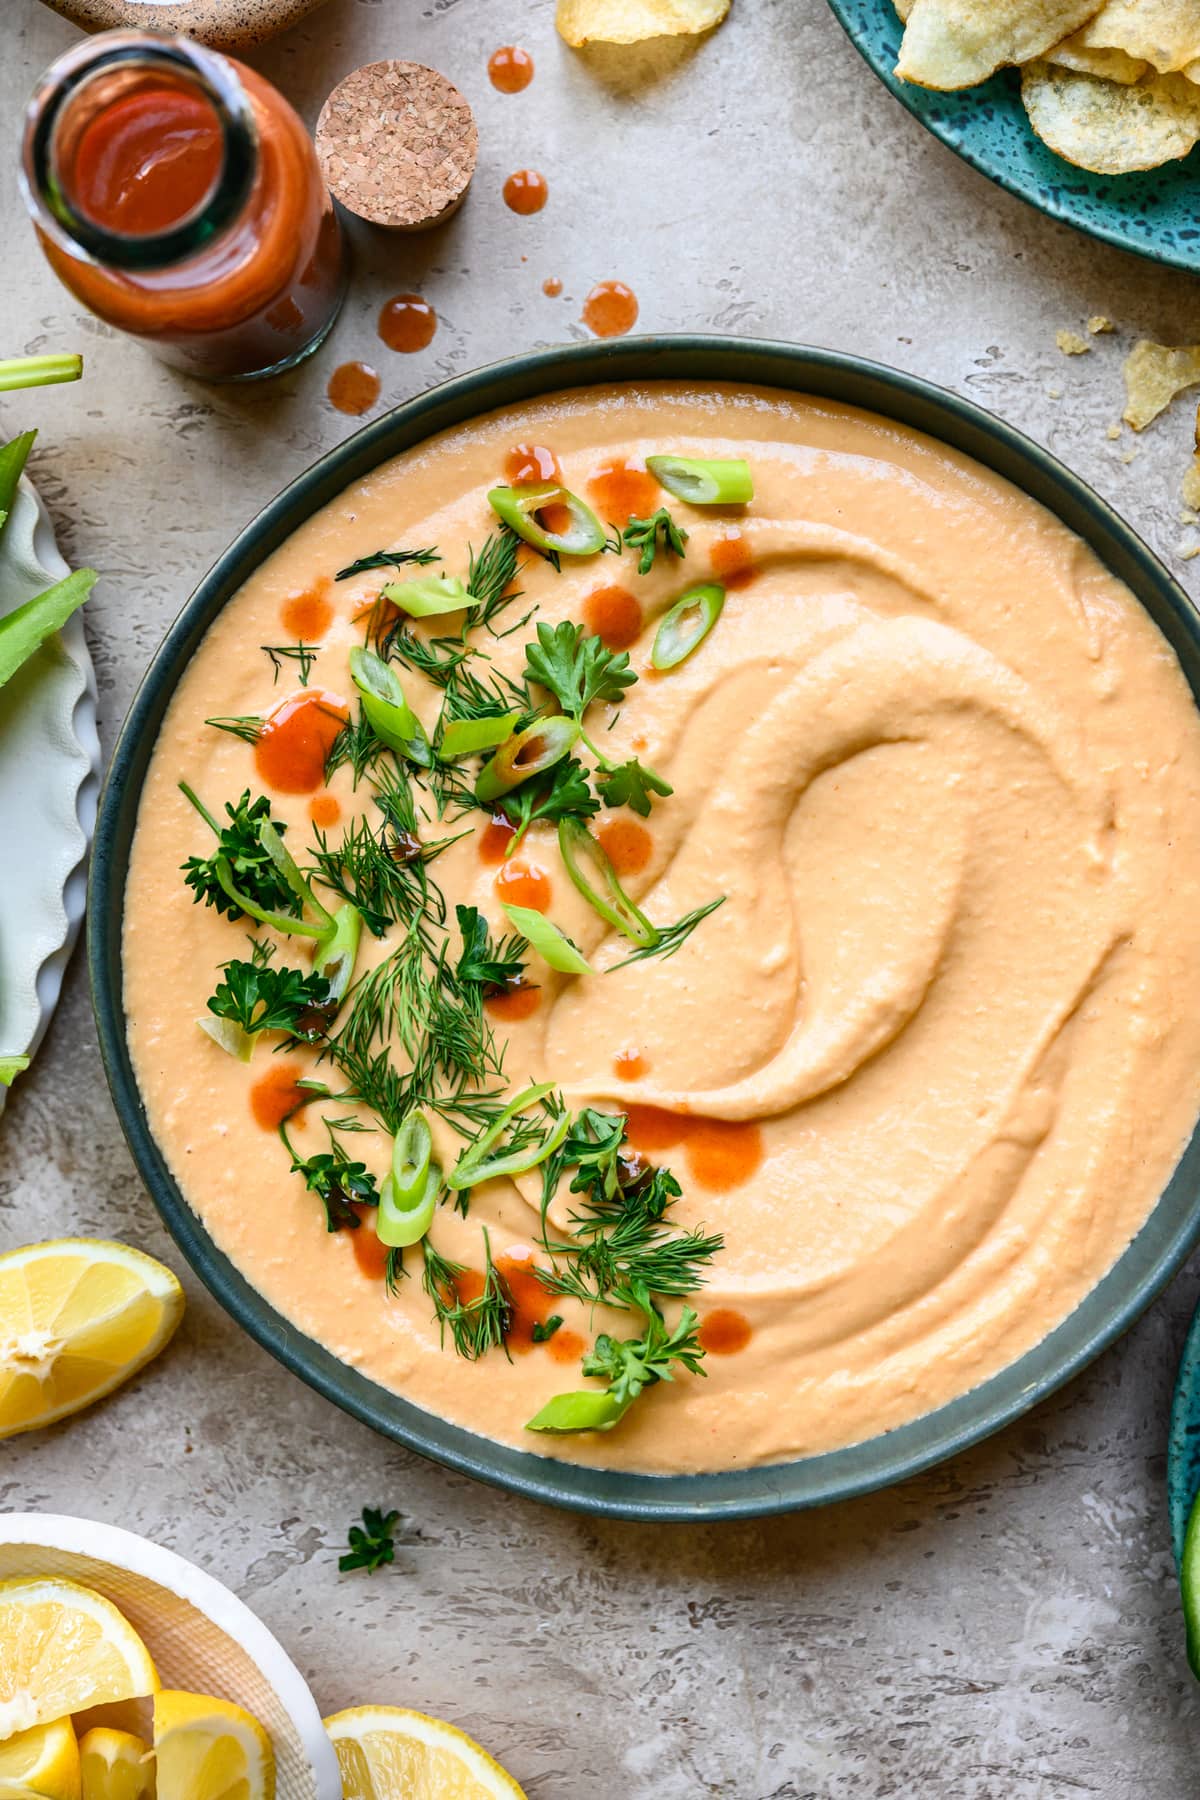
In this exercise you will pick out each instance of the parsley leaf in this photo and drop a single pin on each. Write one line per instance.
(562, 792)
(339, 1184)
(631, 1365)
(372, 1544)
(253, 871)
(260, 998)
(491, 962)
(576, 667)
(650, 535)
(543, 1331)
(631, 784)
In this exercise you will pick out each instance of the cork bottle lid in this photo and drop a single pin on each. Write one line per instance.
(397, 144)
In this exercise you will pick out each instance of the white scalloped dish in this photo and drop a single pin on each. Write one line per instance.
(49, 782)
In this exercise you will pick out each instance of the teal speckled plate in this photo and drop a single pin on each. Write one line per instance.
(1153, 214)
(1183, 1449)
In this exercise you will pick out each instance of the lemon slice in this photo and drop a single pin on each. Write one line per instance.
(116, 1765)
(387, 1753)
(43, 1761)
(77, 1318)
(63, 1648)
(210, 1750)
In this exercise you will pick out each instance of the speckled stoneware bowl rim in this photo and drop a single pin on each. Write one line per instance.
(1154, 1255)
(1116, 209)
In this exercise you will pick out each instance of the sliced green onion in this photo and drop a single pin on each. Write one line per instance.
(388, 713)
(286, 922)
(591, 1409)
(704, 481)
(464, 736)
(475, 1165)
(228, 1036)
(526, 753)
(519, 508)
(552, 945)
(578, 846)
(428, 596)
(398, 1226)
(272, 842)
(685, 627)
(39, 371)
(337, 952)
(11, 1067)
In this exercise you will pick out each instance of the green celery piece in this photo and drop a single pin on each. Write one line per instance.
(13, 457)
(23, 631)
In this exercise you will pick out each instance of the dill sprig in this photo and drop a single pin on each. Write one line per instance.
(305, 655)
(247, 726)
(476, 1325)
(356, 747)
(387, 559)
(671, 938)
(490, 575)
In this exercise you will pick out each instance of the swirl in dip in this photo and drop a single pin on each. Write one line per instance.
(925, 1070)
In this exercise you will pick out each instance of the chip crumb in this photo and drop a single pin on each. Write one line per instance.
(1186, 552)
(1098, 323)
(1071, 344)
(1154, 374)
(1054, 393)
(1127, 456)
(1113, 432)
(1191, 487)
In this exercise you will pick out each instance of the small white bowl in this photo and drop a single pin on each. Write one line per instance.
(200, 1635)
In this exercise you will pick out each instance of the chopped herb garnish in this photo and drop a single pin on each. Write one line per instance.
(577, 668)
(632, 1364)
(632, 784)
(475, 1325)
(247, 726)
(544, 1330)
(490, 576)
(239, 843)
(670, 938)
(258, 997)
(561, 793)
(372, 1544)
(339, 1184)
(303, 654)
(649, 536)
(387, 559)
(493, 962)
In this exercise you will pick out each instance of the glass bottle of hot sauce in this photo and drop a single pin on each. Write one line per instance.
(177, 194)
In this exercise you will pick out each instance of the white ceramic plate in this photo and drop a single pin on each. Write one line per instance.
(49, 783)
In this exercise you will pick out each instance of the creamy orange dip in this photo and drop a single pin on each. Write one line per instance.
(930, 1064)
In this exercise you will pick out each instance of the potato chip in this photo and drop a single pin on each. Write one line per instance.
(1110, 65)
(1164, 33)
(630, 21)
(954, 43)
(903, 8)
(1154, 374)
(1108, 128)
(1071, 344)
(1190, 487)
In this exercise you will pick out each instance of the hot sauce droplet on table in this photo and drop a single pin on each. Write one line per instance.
(510, 69)
(353, 388)
(552, 287)
(407, 322)
(526, 192)
(611, 309)
(296, 739)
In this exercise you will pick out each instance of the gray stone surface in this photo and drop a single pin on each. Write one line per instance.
(1005, 1628)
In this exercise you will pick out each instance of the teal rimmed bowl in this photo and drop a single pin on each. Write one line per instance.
(1157, 1251)
(1151, 212)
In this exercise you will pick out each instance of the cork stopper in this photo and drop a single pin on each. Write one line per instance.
(397, 144)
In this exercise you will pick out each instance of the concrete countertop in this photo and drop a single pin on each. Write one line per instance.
(1004, 1628)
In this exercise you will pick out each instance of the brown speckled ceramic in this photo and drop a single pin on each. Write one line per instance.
(223, 24)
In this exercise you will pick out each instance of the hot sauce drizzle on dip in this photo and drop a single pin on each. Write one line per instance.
(732, 560)
(724, 1332)
(614, 615)
(528, 465)
(622, 490)
(519, 999)
(627, 844)
(494, 839)
(275, 1095)
(296, 739)
(524, 884)
(309, 615)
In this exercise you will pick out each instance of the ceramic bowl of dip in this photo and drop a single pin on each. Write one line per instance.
(1140, 1271)
(200, 1635)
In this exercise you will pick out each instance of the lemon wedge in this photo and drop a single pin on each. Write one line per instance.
(115, 1765)
(210, 1750)
(43, 1761)
(64, 1648)
(77, 1318)
(387, 1753)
